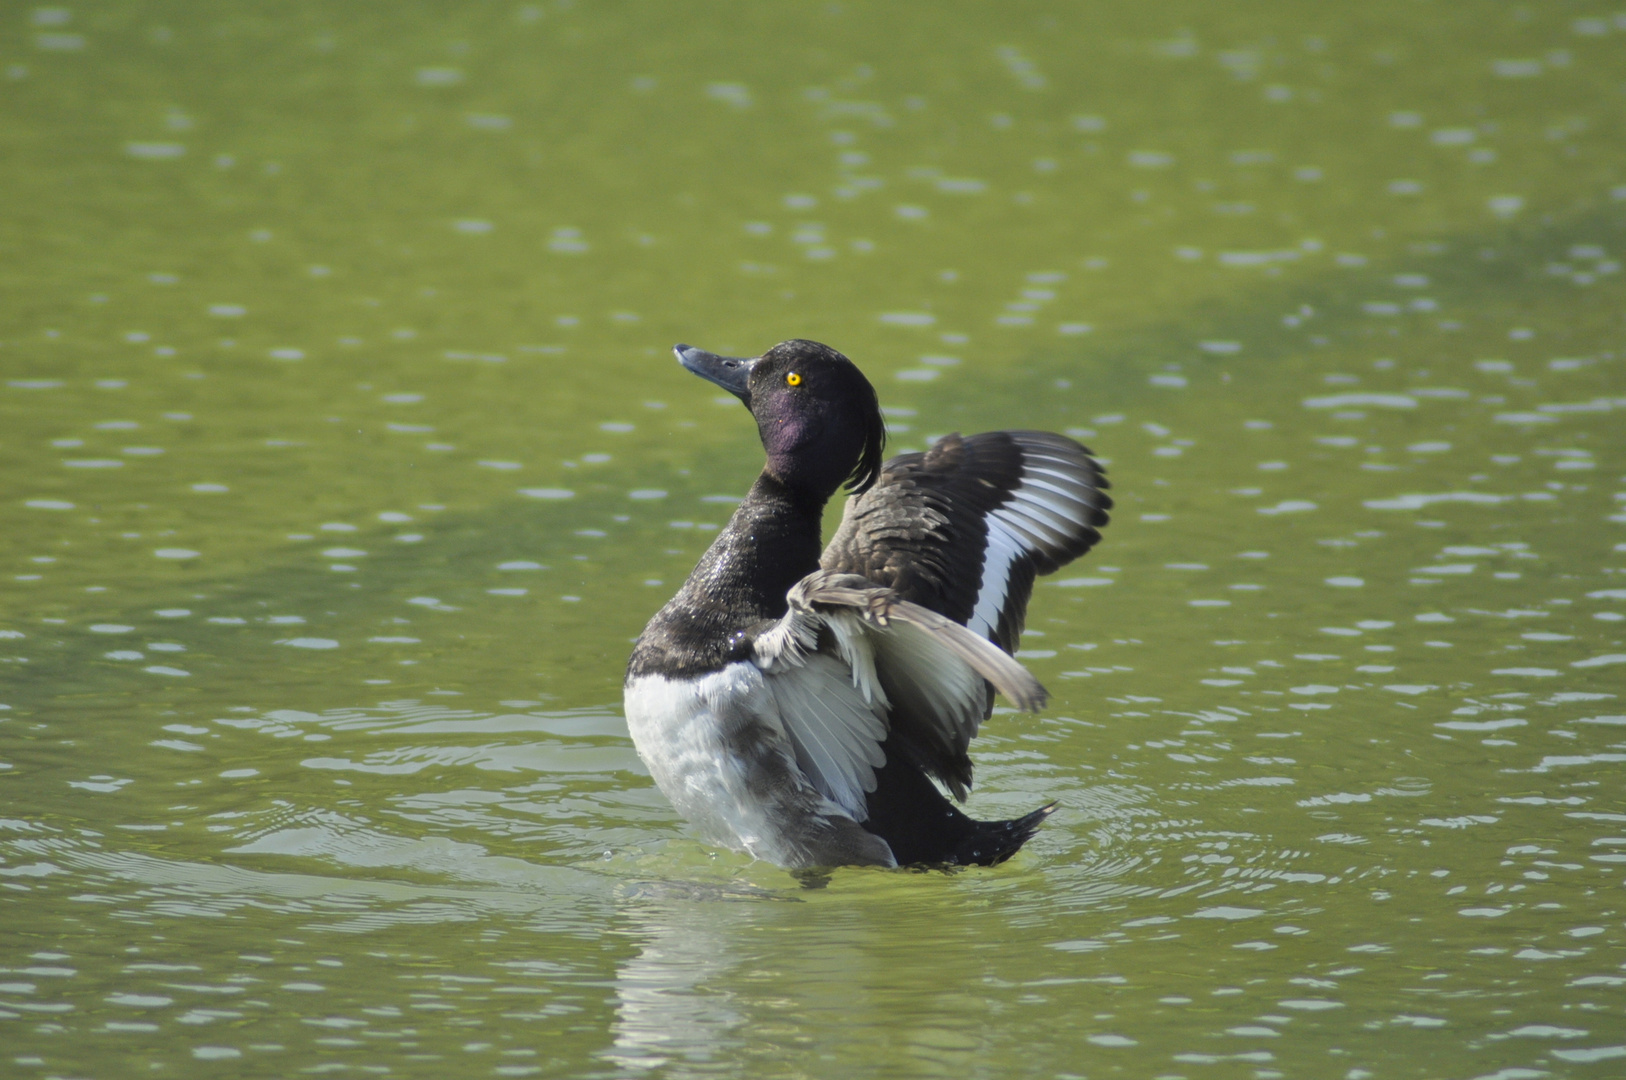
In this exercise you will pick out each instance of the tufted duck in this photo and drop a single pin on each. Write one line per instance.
(798, 705)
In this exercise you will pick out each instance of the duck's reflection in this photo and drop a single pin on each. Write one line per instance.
(672, 1000)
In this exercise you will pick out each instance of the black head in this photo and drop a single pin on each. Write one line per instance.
(818, 417)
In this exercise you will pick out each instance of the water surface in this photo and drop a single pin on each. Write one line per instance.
(342, 457)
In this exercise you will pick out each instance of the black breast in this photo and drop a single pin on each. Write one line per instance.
(770, 544)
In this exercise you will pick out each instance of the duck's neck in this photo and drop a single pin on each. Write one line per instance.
(771, 543)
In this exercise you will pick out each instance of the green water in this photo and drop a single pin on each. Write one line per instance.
(342, 456)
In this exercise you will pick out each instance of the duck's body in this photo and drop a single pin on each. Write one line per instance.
(794, 704)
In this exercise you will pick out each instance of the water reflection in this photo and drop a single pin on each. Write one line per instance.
(669, 999)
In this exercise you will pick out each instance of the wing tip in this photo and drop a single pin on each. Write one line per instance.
(1035, 699)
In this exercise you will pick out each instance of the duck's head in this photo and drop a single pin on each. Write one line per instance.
(819, 420)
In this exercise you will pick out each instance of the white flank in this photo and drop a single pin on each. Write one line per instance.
(809, 716)
(679, 728)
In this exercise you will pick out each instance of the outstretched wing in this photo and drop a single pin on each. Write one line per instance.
(962, 530)
(964, 527)
(841, 655)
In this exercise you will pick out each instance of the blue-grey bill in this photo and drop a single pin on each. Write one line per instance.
(732, 373)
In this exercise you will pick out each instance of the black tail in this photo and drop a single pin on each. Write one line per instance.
(924, 828)
(995, 841)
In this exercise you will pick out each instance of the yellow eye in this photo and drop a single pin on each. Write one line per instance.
(793, 379)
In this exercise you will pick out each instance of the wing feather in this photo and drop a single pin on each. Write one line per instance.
(962, 530)
(835, 732)
(849, 655)
(963, 527)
